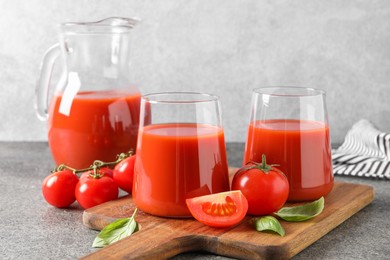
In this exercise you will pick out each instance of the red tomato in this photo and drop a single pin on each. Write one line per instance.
(94, 191)
(102, 171)
(123, 174)
(223, 209)
(58, 188)
(265, 187)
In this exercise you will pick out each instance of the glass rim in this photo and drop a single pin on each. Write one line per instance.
(107, 25)
(289, 91)
(155, 98)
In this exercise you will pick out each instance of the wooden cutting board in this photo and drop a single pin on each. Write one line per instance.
(166, 237)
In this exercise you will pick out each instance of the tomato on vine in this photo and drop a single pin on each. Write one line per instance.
(265, 187)
(102, 171)
(58, 188)
(124, 172)
(95, 185)
(95, 189)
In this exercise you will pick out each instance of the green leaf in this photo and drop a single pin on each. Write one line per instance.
(303, 212)
(116, 231)
(268, 223)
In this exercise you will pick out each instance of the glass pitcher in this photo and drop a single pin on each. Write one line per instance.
(94, 111)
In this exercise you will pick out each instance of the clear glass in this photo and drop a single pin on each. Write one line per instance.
(290, 126)
(93, 112)
(181, 152)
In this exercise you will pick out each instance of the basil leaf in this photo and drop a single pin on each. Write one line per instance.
(303, 212)
(268, 223)
(116, 231)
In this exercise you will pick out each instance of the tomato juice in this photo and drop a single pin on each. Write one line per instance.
(175, 162)
(97, 126)
(300, 148)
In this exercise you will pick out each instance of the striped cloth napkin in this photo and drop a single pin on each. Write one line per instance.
(365, 152)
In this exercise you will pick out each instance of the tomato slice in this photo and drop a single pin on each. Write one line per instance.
(223, 209)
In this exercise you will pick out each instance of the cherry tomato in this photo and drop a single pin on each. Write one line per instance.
(223, 209)
(58, 188)
(123, 174)
(265, 187)
(102, 171)
(94, 190)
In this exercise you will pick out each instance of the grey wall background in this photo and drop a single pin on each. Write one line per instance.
(225, 47)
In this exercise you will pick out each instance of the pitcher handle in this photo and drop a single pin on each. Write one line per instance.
(43, 84)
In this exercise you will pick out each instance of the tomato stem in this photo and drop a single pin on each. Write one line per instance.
(263, 166)
(264, 161)
(62, 167)
(96, 165)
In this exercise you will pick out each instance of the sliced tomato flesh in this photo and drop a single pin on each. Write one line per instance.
(220, 209)
(226, 208)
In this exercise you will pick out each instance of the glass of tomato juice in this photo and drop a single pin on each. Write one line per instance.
(181, 152)
(290, 126)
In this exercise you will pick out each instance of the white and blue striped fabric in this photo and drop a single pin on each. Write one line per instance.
(365, 152)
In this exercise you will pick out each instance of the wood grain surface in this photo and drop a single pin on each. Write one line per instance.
(165, 237)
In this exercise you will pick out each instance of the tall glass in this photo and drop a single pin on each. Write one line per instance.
(181, 152)
(290, 126)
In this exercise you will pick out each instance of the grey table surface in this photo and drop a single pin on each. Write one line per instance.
(32, 229)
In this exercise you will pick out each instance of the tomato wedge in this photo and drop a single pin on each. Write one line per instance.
(223, 209)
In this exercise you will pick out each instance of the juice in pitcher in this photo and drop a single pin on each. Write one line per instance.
(92, 126)
(94, 112)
